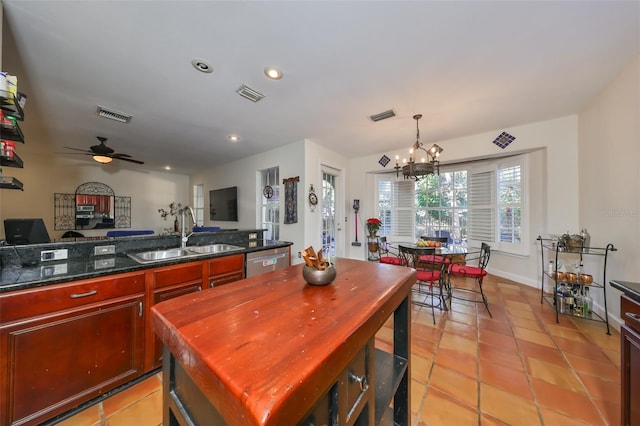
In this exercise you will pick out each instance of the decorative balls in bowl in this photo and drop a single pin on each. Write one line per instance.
(315, 276)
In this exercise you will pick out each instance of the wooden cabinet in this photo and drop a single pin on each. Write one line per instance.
(629, 351)
(64, 344)
(168, 282)
(223, 270)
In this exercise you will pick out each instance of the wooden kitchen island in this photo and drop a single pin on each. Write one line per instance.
(273, 350)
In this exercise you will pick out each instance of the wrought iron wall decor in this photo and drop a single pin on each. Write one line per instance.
(93, 206)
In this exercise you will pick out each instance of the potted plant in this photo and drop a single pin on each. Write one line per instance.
(373, 224)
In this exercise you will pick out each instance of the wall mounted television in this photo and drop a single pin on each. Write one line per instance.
(25, 231)
(223, 204)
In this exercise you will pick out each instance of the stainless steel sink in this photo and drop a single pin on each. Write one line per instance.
(214, 248)
(156, 255)
(175, 253)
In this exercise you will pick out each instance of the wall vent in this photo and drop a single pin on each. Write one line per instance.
(383, 115)
(113, 115)
(249, 93)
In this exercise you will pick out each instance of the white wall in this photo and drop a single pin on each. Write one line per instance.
(553, 182)
(609, 130)
(291, 160)
(303, 159)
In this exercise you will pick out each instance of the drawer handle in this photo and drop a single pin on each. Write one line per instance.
(633, 316)
(89, 293)
(361, 380)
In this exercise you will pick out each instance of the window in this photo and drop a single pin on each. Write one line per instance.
(395, 208)
(441, 206)
(470, 204)
(198, 204)
(510, 204)
(270, 207)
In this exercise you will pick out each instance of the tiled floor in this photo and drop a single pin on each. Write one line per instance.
(517, 368)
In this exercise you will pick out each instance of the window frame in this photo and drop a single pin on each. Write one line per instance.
(491, 166)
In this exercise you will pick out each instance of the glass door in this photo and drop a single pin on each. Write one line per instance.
(331, 224)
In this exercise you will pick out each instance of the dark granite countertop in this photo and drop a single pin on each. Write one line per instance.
(19, 277)
(629, 288)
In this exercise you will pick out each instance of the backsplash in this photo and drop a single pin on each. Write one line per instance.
(30, 255)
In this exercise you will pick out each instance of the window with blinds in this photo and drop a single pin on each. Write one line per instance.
(509, 204)
(481, 205)
(396, 207)
(470, 204)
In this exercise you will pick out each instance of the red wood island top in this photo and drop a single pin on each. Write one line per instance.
(265, 348)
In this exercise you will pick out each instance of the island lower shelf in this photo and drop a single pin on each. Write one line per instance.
(189, 405)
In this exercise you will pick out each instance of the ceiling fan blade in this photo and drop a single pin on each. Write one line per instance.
(118, 155)
(128, 159)
(78, 149)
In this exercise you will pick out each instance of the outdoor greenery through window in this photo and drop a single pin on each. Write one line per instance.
(469, 204)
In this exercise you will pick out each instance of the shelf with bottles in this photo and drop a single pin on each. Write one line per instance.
(11, 161)
(569, 287)
(10, 106)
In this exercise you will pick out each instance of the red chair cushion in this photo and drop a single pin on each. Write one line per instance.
(392, 260)
(467, 271)
(428, 275)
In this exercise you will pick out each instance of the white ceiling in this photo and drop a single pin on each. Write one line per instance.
(468, 67)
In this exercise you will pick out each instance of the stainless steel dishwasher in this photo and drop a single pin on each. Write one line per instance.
(259, 262)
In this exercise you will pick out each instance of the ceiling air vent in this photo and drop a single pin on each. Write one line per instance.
(249, 93)
(113, 115)
(383, 115)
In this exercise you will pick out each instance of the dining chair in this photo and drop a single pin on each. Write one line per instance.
(471, 271)
(387, 255)
(429, 274)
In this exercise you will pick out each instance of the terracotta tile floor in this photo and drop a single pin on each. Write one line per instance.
(517, 368)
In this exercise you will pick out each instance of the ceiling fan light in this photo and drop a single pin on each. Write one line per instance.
(102, 159)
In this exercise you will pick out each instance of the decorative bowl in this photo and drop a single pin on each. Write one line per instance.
(315, 276)
(558, 276)
(571, 277)
(585, 278)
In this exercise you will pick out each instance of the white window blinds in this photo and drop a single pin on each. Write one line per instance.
(481, 206)
(396, 207)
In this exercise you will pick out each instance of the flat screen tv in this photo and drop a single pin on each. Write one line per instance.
(223, 204)
(25, 231)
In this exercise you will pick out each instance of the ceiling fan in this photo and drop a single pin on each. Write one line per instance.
(103, 154)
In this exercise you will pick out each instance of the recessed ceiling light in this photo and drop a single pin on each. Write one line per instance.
(234, 138)
(202, 65)
(167, 167)
(273, 73)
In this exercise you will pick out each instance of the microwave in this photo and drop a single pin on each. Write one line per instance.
(87, 208)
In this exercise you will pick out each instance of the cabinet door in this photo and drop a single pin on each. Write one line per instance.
(161, 296)
(57, 361)
(227, 269)
(630, 370)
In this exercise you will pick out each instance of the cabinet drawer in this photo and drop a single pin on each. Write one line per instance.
(356, 383)
(171, 275)
(222, 265)
(630, 312)
(42, 300)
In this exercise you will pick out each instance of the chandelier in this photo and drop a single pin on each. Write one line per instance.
(412, 169)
